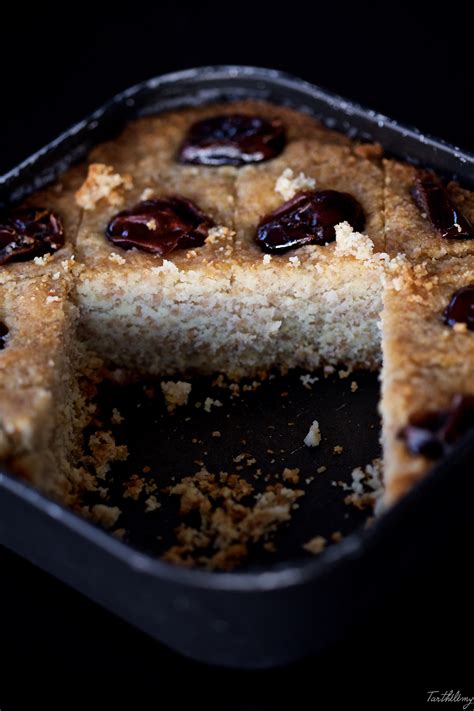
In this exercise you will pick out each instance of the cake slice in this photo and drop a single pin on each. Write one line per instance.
(428, 368)
(38, 386)
(157, 314)
(315, 304)
(408, 227)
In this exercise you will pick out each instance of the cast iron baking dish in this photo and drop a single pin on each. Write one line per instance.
(284, 607)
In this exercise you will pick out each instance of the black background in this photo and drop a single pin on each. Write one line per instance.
(406, 60)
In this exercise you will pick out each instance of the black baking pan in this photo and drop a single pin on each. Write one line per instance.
(281, 607)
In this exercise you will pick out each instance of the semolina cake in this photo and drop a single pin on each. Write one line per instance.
(237, 238)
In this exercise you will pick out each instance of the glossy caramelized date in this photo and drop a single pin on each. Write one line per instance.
(29, 232)
(232, 139)
(461, 308)
(434, 201)
(308, 218)
(160, 226)
(433, 434)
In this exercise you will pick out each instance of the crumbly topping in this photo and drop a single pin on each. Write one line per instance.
(103, 183)
(51, 298)
(315, 545)
(267, 258)
(219, 234)
(116, 258)
(176, 393)
(42, 261)
(352, 244)
(287, 185)
(313, 438)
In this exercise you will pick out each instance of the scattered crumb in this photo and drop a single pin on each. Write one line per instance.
(216, 433)
(152, 504)
(291, 475)
(106, 516)
(116, 418)
(104, 451)
(344, 373)
(133, 487)
(308, 380)
(320, 470)
(354, 386)
(176, 393)
(226, 527)
(315, 545)
(338, 449)
(336, 536)
(313, 438)
(119, 533)
(146, 469)
(209, 402)
(367, 486)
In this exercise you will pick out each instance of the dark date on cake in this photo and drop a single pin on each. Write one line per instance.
(29, 232)
(433, 201)
(461, 308)
(308, 218)
(160, 226)
(232, 139)
(433, 434)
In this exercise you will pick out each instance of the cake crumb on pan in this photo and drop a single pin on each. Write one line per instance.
(313, 438)
(315, 545)
(176, 393)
